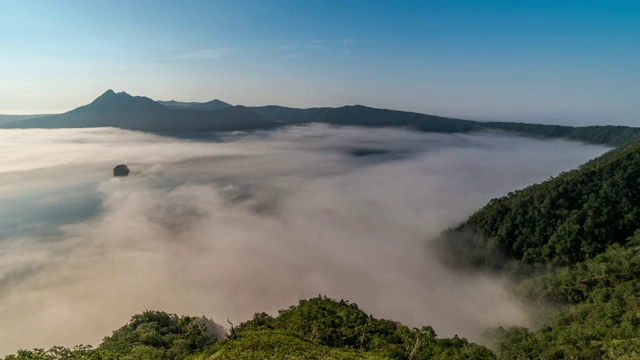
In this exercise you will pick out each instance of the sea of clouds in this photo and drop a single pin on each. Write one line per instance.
(231, 224)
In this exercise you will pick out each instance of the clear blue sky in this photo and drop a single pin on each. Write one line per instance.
(563, 61)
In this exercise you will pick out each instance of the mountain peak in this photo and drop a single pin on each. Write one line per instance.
(110, 94)
(217, 102)
(120, 101)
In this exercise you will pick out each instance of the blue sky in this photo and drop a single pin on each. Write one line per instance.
(545, 61)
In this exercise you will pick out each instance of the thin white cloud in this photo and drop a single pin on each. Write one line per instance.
(206, 54)
(295, 56)
(322, 45)
(326, 45)
(349, 41)
(288, 46)
(317, 47)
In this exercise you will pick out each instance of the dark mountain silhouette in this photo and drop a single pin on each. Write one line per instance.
(110, 109)
(141, 113)
(291, 115)
(210, 105)
(358, 115)
(364, 116)
(228, 119)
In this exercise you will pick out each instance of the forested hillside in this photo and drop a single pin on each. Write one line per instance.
(572, 246)
(608, 135)
(318, 328)
(559, 222)
(597, 314)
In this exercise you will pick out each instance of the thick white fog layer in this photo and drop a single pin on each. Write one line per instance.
(243, 223)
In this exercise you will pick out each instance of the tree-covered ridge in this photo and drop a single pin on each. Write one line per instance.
(150, 335)
(572, 245)
(609, 135)
(158, 335)
(561, 221)
(319, 328)
(276, 345)
(340, 324)
(606, 135)
(599, 317)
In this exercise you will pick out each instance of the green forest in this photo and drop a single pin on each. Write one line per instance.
(318, 328)
(571, 245)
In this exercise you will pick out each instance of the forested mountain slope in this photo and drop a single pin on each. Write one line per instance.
(572, 248)
(590, 310)
(598, 134)
(562, 221)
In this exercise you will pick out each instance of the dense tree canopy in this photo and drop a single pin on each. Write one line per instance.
(319, 328)
(340, 324)
(572, 245)
(562, 221)
(609, 135)
(599, 313)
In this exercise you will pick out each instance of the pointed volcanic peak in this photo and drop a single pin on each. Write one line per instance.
(109, 109)
(124, 111)
(120, 110)
(121, 101)
(210, 105)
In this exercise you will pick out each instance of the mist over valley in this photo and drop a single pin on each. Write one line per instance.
(228, 224)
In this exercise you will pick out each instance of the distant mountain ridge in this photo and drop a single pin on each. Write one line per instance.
(210, 105)
(141, 113)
